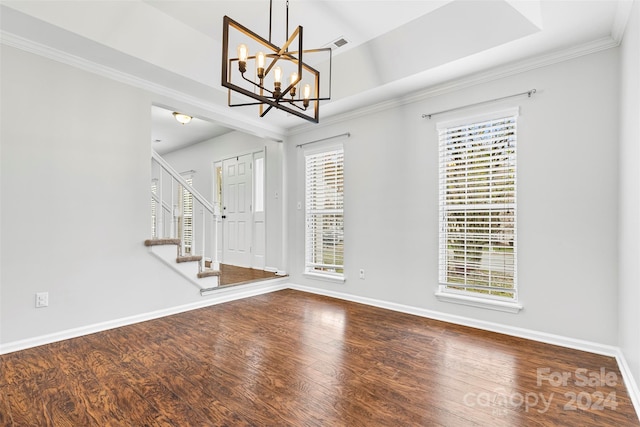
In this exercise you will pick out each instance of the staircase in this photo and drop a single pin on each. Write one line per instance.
(168, 251)
(181, 239)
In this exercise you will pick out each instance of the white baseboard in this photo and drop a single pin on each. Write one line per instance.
(589, 346)
(217, 297)
(275, 271)
(234, 293)
(632, 386)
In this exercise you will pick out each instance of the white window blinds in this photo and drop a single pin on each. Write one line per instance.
(478, 208)
(154, 213)
(186, 219)
(324, 237)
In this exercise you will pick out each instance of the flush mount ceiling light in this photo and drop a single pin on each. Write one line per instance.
(182, 118)
(256, 68)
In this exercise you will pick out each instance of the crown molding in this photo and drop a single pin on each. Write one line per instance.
(623, 12)
(495, 73)
(221, 114)
(265, 130)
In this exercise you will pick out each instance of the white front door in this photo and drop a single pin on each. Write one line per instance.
(236, 210)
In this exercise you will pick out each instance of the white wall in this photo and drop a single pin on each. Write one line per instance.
(200, 157)
(88, 138)
(75, 173)
(629, 232)
(567, 200)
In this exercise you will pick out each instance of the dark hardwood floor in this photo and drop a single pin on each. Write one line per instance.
(231, 275)
(290, 358)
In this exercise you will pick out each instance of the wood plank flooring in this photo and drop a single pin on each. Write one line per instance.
(290, 358)
(231, 275)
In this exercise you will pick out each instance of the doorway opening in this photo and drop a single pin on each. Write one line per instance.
(239, 174)
(240, 195)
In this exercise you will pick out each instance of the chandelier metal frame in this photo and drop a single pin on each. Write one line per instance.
(291, 99)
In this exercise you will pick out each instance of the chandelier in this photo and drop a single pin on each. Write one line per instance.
(286, 78)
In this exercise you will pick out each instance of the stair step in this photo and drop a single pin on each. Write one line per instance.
(156, 242)
(208, 273)
(165, 249)
(189, 258)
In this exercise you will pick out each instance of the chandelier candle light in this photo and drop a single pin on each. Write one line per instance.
(260, 76)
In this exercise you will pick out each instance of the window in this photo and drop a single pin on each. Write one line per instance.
(324, 237)
(186, 219)
(258, 203)
(154, 213)
(218, 186)
(478, 208)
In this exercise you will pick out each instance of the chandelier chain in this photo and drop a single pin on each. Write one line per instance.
(286, 36)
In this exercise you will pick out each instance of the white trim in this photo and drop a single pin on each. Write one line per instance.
(481, 77)
(255, 127)
(325, 277)
(623, 12)
(276, 271)
(202, 283)
(322, 147)
(544, 337)
(258, 217)
(236, 293)
(632, 386)
(276, 133)
(464, 127)
(221, 296)
(248, 289)
(315, 160)
(463, 119)
(592, 347)
(488, 303)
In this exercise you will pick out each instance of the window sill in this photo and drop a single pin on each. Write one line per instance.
(325, 277)
(505, 306)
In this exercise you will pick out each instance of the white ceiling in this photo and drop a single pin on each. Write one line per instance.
(169, 135)
(395, 47)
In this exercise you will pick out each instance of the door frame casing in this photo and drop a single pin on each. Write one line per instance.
(219, 201)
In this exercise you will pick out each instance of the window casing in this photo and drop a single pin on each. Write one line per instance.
(185, 222)
(478, 239)
(258, 185)
(324, 213)
(154, 209)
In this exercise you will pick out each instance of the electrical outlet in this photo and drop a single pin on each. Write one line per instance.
(362, 273)
(42, 299)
